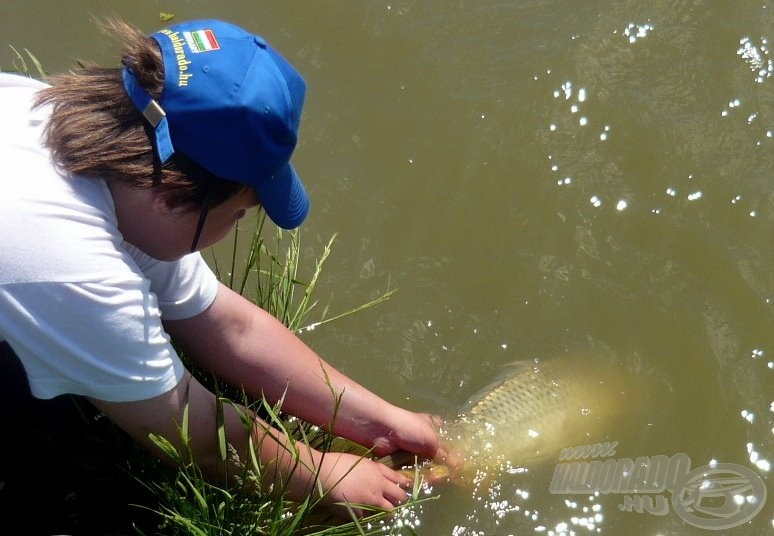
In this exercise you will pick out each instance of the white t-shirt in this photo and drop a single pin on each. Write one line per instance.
(80, 307)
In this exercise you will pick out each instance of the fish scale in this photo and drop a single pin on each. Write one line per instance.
(534, 410)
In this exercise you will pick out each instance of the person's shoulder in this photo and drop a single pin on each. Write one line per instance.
(22, 124)
(9, 80)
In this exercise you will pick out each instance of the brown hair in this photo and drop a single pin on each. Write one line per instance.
(96, 131)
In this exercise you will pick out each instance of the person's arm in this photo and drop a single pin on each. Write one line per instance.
(247, 347)
(366, 482)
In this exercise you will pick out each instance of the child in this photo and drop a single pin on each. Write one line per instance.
(113, 179)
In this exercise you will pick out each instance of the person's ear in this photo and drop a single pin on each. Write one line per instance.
(161, 204)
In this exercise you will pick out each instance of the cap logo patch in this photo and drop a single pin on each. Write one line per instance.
(201, 41)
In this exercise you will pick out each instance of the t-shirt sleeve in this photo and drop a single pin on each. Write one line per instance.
(104, 340)
(184, 288)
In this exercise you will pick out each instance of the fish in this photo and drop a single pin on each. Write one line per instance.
(530, 413)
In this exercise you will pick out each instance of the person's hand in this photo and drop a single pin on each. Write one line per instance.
(348, 478)
(450, 463)
(413, 432)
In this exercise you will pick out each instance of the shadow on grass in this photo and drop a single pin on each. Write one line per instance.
(65, 469)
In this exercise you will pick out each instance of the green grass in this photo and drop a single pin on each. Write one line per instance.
(188, 505)
(26, 64)
(270, 277)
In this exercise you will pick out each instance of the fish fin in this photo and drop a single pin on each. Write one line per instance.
(520, 365)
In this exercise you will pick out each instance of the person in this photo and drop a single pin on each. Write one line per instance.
(113, 180)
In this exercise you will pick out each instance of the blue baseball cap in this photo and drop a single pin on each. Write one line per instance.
(232, 104)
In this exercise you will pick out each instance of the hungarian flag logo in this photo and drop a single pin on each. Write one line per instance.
(201, 40)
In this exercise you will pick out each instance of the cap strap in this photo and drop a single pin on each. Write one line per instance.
(152, 112)
(208, 197)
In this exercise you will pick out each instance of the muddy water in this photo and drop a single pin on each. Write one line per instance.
(536, 177)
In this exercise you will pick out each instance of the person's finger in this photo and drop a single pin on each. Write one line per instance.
(395, 477)
(436, 420)
(395, 495)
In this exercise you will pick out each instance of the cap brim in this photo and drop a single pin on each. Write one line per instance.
(284, 199)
